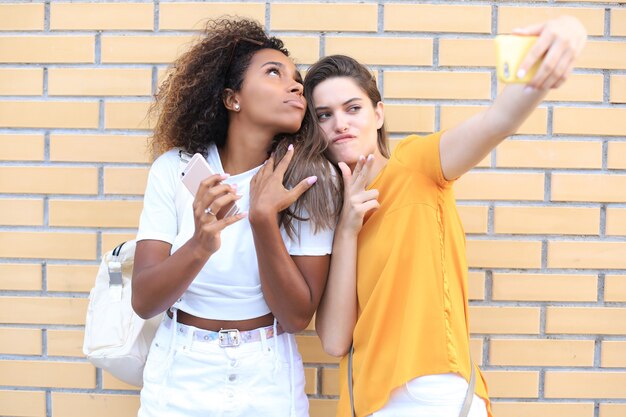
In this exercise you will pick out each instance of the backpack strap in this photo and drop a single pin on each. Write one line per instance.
(115, 266)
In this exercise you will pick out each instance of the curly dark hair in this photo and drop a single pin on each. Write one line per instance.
(191, 113)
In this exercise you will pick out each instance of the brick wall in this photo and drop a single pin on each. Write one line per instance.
(545, 213)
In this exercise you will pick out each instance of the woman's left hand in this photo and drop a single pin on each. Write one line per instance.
(560, 42)
(268, 195)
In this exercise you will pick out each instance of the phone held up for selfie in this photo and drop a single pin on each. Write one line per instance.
(510, 53)
(196, 171)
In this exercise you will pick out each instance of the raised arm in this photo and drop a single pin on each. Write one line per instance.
(559, 42)
(337, 313)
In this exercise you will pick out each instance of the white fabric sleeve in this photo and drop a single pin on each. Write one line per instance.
(307, 243)
(158, 217)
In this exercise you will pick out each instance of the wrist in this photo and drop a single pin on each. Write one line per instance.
(198, 251)
(260, 216)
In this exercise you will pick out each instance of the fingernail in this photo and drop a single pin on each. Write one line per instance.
(290, 147)
(528, 89)
(312, 180)
(361, 158)
(233, 186)
(370, 157)
(224, 176)
(521, 73)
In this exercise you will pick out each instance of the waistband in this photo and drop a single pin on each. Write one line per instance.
(225, 337)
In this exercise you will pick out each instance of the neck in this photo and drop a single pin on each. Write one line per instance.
(379, 163)
(246, 148)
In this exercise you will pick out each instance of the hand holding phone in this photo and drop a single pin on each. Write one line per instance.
(196, 171)
(510, 53)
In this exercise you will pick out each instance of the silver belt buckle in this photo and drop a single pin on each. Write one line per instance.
(229, 338)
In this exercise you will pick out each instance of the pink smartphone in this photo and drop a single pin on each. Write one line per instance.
(196, 171)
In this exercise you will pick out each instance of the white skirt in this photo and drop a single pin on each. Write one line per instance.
(189, 375)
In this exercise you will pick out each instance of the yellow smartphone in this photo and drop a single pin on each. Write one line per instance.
(510, 53)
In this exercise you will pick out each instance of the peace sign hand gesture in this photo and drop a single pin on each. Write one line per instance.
(357, 201)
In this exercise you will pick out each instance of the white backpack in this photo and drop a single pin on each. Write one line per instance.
(116, 338)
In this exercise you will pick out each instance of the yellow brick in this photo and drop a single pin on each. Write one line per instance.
(188, 16)
(510, 17)
(594, 255)
(603, 55)
(330, 381)
(586, 320)
(99, 82)
(99, 405)
(21, 82)
(102, 16)
(437, 85)
(65, 342)
(500, 186)
(589, 121)
(549, 154)
(589, 187)
(49, 245)
(127, 115)
(613, 354)
(310, 381)
(15, 341)
(47, 49)
(437, 18)
(312, 352)
(544, 287)
(72, 278)
(618, 89)
(541, 409)
(531, 352)
(504, 320)
(48, 310)
(467, 52)
(48, 180)
(383, 51)
(476, 285)
(579, 87)
(475, 218)
(618, 22)
(615, 288)
(24, 277)
(612, 410)
(302, 49)
(512, 384)
(324, 17)
(591, 385)
(57, 114)
(21, 147)
(110, 382)
(547, 220)
(616, 221)
(23, 403)
(99, 148)
(21, 17)
(617, 155)
(503, 254)
(112, 240)
(143, 49)
(95, 213)
(21, 212)
(476, 350)
(319, 407)
(410, 119)
(451, 116)
(47, 374)
(125, 180)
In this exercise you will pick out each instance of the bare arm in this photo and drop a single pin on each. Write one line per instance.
(160, 279)
(337, 312)
(560, 41)
(292, 286)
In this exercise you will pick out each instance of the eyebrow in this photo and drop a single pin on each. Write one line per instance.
(343, 104)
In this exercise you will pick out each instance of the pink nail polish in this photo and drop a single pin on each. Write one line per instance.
(312, 180)
(290, 147)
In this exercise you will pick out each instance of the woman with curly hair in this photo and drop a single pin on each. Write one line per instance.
(235, 287)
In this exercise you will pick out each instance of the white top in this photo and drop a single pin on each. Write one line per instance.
(228, 287)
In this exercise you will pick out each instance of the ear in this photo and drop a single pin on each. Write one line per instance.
(230, 100)
(379, 111)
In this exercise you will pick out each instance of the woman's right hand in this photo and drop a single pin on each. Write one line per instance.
(357, 201)
(211, 198)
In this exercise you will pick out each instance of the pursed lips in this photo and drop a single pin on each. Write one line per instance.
(343, 138)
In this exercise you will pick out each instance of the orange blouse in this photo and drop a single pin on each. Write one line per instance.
(411, 282)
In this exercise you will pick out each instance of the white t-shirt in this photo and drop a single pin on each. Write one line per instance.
(228, 287)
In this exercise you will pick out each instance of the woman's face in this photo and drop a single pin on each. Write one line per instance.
(271, 93)
(347, 117)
